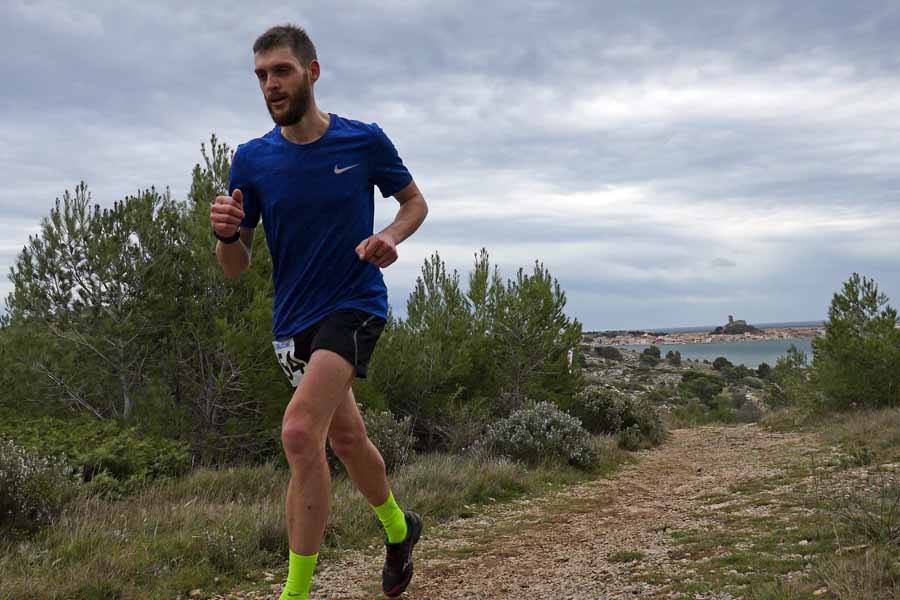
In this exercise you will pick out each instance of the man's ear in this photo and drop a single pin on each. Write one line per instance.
(314, 70)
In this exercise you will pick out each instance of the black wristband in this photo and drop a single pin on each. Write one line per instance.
(228, 240)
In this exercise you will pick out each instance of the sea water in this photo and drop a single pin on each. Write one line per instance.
(749, 353)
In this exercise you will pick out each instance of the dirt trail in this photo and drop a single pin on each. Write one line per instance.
(563, 545)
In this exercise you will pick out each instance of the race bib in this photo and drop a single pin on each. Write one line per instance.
(292, 366)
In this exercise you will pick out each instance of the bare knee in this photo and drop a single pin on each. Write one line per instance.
(302, 443)
(348, 443)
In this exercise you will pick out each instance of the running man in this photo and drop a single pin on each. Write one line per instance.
(311, 180)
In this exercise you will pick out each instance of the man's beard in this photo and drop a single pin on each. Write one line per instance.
(298, 104)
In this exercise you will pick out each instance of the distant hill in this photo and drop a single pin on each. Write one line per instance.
(735, 327)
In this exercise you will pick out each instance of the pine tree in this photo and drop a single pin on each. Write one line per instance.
(858, 358)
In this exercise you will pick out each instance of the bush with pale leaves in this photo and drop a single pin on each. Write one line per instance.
(541, 433)
(33, 488)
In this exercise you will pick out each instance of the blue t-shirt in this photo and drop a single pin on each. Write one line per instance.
(317, 204)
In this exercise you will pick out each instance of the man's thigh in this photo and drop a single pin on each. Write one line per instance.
(324, 387)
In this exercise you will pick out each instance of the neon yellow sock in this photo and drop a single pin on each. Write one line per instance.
(392, 519)
(299, 579)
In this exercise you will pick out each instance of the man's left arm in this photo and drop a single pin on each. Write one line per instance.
(381, 248)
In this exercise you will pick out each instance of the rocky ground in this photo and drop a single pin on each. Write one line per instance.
(616, 538)
(628, 372)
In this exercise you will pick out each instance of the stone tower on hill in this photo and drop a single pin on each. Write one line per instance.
(735, 327)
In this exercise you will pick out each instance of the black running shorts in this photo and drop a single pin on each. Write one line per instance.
(349, 332)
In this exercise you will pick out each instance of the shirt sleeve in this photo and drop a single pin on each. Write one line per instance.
(387, 171)
(238, 179)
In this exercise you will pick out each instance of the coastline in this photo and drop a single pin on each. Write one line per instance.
(629, 338)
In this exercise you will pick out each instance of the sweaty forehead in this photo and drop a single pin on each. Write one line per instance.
(267, 58)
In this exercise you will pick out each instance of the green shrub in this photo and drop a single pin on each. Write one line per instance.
(33, 488)
(643, 416)
(721, 409)
(461, 426)
(797, 392)
(673, 358)
(609, 353)
(753, 382)
(695, 384)
(736, 373)
(721, 362)
(600, 410)
(648, 360)
(610, 411)
(743, 370)
(105, 485)
(630, 438)
(541, 433)
(652, 351)
(657, 395)
(738, 397)
(95, 447)
(791, 383)
(696, 412)
(650, 356)
(691, 413)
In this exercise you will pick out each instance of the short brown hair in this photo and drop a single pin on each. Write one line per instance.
(289, 36)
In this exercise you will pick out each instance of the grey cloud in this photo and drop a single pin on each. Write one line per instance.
(531, 231)
(121, 95)
(722, 262)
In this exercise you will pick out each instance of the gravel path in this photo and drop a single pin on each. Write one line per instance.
(560, 545)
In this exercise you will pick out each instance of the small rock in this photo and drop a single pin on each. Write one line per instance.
(196, 593)
(820, 591)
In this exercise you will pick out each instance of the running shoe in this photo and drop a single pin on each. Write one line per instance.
(398, 564)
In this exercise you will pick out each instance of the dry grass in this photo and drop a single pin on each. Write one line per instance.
(858, 501)
(215, 528)
(877, 430)
(870, 574)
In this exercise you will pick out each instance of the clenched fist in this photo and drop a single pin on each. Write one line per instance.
(379, 249)
(226, 213)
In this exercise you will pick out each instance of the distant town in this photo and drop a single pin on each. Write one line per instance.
(734, 331)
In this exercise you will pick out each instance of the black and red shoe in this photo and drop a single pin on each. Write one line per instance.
(398, 563)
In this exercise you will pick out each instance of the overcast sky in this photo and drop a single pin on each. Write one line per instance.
(671, 163)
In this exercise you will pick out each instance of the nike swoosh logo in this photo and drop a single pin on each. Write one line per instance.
(338, 171)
